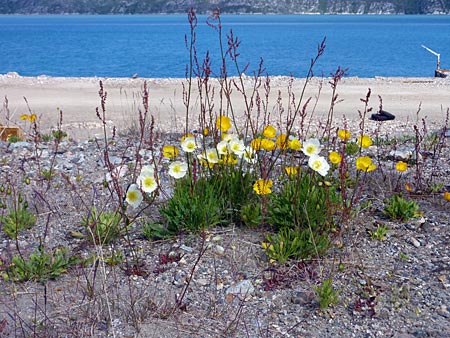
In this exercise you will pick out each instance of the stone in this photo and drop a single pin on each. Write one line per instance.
(302, 297)
(243, 288)
(415, 242)
(220, 250)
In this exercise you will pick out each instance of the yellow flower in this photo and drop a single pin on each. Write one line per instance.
(229, 160)
(256, 143)
(295, 144)
(401, 166)
(269, 132)
(343, 134)
(170, 152)
(365, 164)
(335, 157)
(282, 142)
(447, 196)
(30, 118)
(223, 123)
(291, 171)
(364, 141)
(267, 144)
(267, 246)
(185, 137)
(206, 131)
(262, 187)
(408, 187)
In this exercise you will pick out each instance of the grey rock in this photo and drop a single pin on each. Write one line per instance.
(415, 242)
(242, 288)
(302, 297)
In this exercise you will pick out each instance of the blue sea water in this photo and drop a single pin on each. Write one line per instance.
(154, 45)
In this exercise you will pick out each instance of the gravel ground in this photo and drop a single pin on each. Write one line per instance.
(398, 287)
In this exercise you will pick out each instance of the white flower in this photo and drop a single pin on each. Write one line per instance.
(134, 196)
(222, 147)
(189, 145)
(237, 147)
(250, 155)
(311, 147)
(178, 169)
(147, 182)
(230, 137)
(319, 164)
(147, 170)
(212, 156)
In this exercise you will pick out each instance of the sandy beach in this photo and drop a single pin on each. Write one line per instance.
(78, 99)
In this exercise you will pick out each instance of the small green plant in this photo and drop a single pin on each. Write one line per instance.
(326, 295)
(14, 139)
(103, 227)
(398, 208)
(251, 215)
(115, 257)
(46, 137)
(39, 266)
(59, 135)
(404, 257)
(352, 148)
(380, 233)
(48, 174)
(153, 230)
(295, 243)
(17, 220)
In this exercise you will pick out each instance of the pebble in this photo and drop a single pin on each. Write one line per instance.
(302, 297)
(443, 311)
(242, 288)
(186, 248)
(415, 242)
(220, 250)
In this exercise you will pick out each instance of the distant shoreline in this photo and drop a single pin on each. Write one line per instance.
(77, 98)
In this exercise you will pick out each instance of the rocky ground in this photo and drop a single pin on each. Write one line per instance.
(223, 283)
